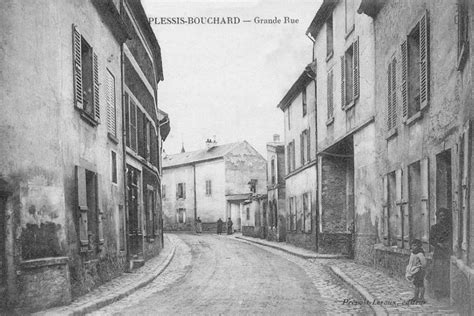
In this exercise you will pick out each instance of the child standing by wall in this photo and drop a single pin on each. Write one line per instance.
(415, 271)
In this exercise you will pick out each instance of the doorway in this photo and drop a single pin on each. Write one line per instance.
(3, 263)
(134, 228)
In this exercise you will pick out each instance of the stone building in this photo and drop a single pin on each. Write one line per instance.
(66, 76)
(276, 213)
(211, 183)
(255, 216)
(343, 52)
(423, 90)
(299, 108)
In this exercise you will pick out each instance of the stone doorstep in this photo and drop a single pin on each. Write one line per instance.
(112, 295)
(305, 254)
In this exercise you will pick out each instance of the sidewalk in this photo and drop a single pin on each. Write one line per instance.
(119, 287)
(387, 295)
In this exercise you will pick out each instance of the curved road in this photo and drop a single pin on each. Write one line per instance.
(213, 274)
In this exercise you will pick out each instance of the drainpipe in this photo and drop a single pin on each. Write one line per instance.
(124, 156)
(194, 190)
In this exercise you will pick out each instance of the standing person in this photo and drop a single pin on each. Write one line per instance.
(229, 226)
(415, 271)
(440, 239)
(198, 225)
(219, 226)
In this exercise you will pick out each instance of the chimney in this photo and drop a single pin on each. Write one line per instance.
(276, 137)
(211, 142)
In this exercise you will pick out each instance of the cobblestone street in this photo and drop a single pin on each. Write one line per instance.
(219, 275)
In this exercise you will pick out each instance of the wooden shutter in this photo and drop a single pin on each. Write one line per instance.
(385, 215)
(406, 209)
(389, 96)
(343, 82)
(95, 70)
(394, 93)
(177, 191)
(110, 103)
(425, 207)
(77, 67)
(82, 206)
(184, 190)
(424, 60)
(302, 148)
(100, 211)
(308, 144)
(355, 69)
(330, 95)
(288, 216)
(404, 83)
(465, 185)
(399, 207)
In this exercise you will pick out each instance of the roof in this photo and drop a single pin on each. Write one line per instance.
(308, 74)
(201, 155)
(164, 121)
(321, 16)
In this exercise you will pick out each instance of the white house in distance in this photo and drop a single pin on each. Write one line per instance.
(211, 183)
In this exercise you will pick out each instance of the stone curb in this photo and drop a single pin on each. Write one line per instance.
(115, 296)
(378, 310)
(316, 256)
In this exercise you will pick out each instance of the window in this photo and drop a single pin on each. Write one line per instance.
(86, 78)
(253, 185)
(415, 69)
(306, 212)
(247, 213)
(147, 136)
(329, 37)
(273, 171)
(110, 102)
(181, 191)
(131, 119)
(91, 234)
(330, 96)
(463, 32)
(350, 85)
(163, 191)
(114, 166)
(305, 147)
(303, 98)
(291, 156)
(150, 216)
(349, 15)
(181, 215)
(208, 187)
(392, 94)
(292, 214)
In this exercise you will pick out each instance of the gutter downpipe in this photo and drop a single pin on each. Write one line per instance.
(194, 190)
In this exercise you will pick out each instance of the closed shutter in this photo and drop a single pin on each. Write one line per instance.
(355, 68)
(425, 206)
(288, 217)
(308, 144)
(406, 209)
(95, 70)
(389, 96)
(302, 148)
(100, 212)
(77, 66)
(424, 60)
(399, 207)
(465, 185)
(404, 83)
(394, 93)
(184, 190)
(330, 94)
(82, 205)
(110, 103)
(385, 215)
(177, 191)
(343, 82)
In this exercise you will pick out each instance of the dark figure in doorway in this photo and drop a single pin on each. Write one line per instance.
(229, 226)
(219, 226)
(440, 239)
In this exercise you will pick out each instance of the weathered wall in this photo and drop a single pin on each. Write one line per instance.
(38, 55)
(242, 164)
(171, 178)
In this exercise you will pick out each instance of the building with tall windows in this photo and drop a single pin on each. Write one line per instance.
(91, 72)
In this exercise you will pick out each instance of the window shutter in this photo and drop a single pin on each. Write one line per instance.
(465, 185)
(110, 103)
(82, 205)
(96, 88)
(424, 60)
(302, 148)
(424, 175)
(184, 190)
(399, 206)
(77, 56)
(308, 144)
(343, 82)
(394, 93)
(404, 83)
(177, 191)
(405, 209)
(355, 68)
(330, 95)
(385, 215)
(100, 212)
(389, 96)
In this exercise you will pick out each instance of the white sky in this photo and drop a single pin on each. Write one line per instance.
(226, 80)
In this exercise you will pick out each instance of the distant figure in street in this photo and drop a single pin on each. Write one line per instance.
(415, 271)
(440, 239)
(219, 226)
(198, 225)
(229, 226)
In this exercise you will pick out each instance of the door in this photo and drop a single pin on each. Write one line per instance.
(3, 263)
(134, 228)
